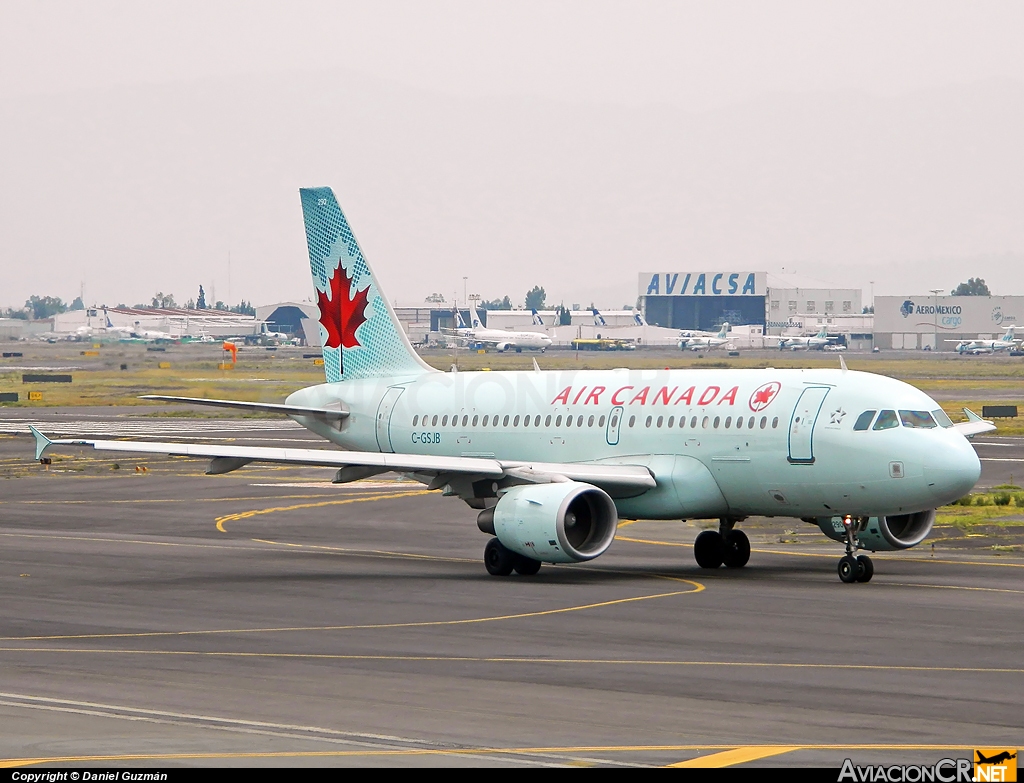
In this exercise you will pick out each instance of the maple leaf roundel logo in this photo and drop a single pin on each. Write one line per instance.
(342, 313)
(763, 395)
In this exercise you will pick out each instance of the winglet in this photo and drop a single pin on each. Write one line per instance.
(842, 364)
(42, 442)
(536, 367)
(971, 415)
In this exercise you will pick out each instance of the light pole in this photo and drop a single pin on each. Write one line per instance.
(465, 298)
(935, 317)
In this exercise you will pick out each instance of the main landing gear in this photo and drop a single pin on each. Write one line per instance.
(854, 569)
(502, 561)
(725, 545)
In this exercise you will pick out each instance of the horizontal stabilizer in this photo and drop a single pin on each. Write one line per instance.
(263, 407)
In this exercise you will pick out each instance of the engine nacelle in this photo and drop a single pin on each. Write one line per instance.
(502, 347)
(565, 522)
(883, 534)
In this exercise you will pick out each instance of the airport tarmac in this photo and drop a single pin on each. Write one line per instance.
(266, 617)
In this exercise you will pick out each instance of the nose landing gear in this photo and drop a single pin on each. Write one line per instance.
(854, 569)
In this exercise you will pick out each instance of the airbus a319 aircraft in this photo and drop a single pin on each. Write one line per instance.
(552, 460)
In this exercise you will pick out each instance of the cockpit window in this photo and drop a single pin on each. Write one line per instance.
(886, 420)
(917, 419)
(864, 420)
(942, 418)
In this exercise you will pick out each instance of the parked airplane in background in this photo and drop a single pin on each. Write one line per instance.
(149, 335)
(537, 320)
(817, 342)
(706, 343)
(551, 460)
(501, 339)
(977, 347)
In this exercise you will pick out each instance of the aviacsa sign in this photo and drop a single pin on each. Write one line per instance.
(702, 283)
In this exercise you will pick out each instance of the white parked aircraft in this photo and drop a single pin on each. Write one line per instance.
(817, 342)
(977, 347)
(503, 340)
(706, 343)
(551, 460)
(149, 335)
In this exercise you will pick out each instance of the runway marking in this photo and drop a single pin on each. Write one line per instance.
(728, 758)
(180, 500)
(697, 587)
(384, 553)
(510, 751)
(259, 512)
(832, 556)
(522, 659)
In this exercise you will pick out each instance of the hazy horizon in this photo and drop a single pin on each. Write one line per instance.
(567, 145)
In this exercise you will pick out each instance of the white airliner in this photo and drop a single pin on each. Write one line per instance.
(552, 460)
(706, 342)
(149, 335)
(818, 341)
(977, 347)
(501, 339)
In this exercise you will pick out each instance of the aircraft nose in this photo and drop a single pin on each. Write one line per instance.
(953, 471)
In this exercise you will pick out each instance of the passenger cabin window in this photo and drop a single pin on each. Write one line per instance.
(920, 420)
(886, 421)
(415, 419)
(632, 420)
(942, 418)
(864, 421)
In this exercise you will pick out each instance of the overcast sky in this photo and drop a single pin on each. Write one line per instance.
(649, 57)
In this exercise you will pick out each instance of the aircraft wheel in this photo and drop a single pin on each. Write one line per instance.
(848, 569)
(519, 350)
(866, 568)
(707, 549)
(497, 558)
(525, 566)
(735, 549)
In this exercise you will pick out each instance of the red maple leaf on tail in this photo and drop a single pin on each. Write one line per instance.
(342, 313)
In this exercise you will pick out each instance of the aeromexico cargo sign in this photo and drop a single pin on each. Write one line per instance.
(702, 284)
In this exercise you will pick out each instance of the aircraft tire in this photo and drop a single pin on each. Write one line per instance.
(498, 559)
(848, 569)
(866, 568)
(525, 566)
(735, 549)
(707, 549)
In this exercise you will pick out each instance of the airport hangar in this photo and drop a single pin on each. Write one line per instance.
(937, 323)
(785, 303)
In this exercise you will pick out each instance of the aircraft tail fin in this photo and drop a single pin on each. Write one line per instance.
(639, 319)
(537, 320)
(598, 318)
(360, 333)
(475, 315)
(724, 331)
(459, 323)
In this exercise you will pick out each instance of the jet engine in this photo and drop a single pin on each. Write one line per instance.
(883, 534)
(564, 522)
(502, 347)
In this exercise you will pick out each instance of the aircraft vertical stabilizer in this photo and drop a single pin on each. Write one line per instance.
(359, 331)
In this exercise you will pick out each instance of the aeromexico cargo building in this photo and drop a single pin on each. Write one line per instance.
(938, 322)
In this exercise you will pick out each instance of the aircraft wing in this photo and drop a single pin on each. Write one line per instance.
(975, 425)
(634, 479)
(265, 407)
